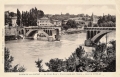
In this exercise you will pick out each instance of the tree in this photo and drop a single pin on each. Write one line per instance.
(111, 67)
(30, 18)
(40, 14)
(71, 24)
(67, 14)
(105, 59)
(95, 25)
(80, 51)
(18, 18)
(8, 20)
(38, 63)
(87, 15)
(79, 61)
(107, 21)
(54, 65)
(12, 14)
(65, 27)
(90, 24)
(81, 15)
(7, 63)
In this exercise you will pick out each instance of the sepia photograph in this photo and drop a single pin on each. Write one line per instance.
(59, 38)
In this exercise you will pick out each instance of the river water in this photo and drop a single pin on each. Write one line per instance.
(26, 51)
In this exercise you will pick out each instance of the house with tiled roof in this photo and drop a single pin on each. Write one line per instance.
(44, 21)
(57, 22)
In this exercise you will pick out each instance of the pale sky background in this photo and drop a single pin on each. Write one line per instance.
(64, 8)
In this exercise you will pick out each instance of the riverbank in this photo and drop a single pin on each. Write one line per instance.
(13, 37)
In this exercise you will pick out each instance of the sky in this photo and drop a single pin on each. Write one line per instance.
(64, 8)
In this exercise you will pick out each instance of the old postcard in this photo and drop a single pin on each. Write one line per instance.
(60, 38)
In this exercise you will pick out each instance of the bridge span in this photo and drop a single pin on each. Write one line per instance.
(48, 32)
(94, 34)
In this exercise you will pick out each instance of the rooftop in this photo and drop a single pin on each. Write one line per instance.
(56, 20)
(44, 18)
(15, 17)
(76, 18)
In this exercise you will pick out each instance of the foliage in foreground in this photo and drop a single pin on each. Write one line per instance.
(7, 63)
(103, 59)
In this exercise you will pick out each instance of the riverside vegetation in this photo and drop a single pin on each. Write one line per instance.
(8, 63)
(103, 60)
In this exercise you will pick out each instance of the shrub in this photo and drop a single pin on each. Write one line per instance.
(7, 63)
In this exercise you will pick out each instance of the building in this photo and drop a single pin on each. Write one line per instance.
(57, 22)
(76, 18)
(94, 19)
(64, 22)
(14, 20)
(44, 21)
(79, 20)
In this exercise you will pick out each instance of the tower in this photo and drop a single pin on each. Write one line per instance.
(92, 19)
(103, 14)
(61, 13)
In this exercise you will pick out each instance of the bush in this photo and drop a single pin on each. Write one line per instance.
(104, 60)
(55, 65)
(38, 63)
(7, 63)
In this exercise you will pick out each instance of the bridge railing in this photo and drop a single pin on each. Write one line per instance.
(99, 28)
(41, 26)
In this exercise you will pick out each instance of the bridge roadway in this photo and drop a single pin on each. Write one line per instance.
(42, 27)
(99, 28)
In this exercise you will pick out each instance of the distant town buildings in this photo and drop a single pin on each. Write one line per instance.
(56, 20)
(78, 20)
(85, 19)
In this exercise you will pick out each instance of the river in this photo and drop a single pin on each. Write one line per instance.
(26, 51)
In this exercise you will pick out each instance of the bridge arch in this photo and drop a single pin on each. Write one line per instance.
(31, 33)
(92, 34)
(22, 31)
(98, 36)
